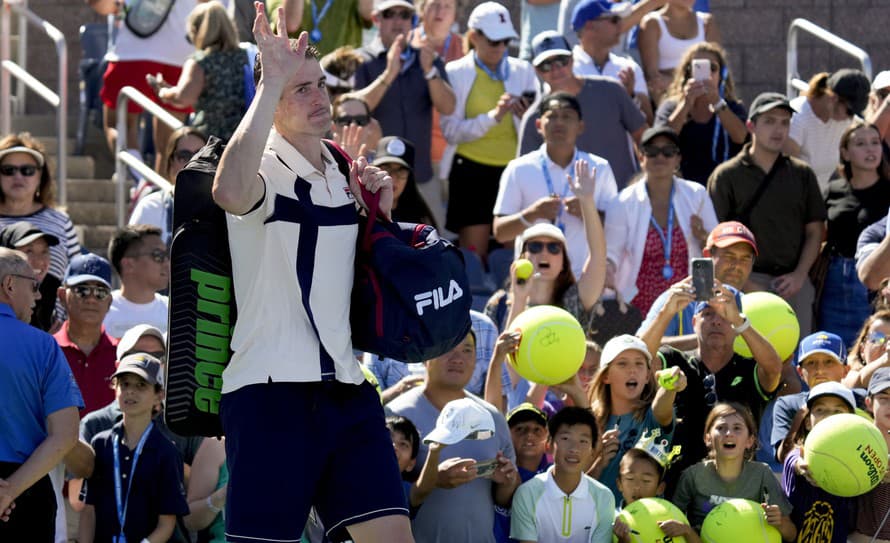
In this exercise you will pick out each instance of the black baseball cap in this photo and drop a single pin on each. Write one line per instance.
(768, 101)
(660, 130)
(852, 86)
(393, 149)
(19, 234)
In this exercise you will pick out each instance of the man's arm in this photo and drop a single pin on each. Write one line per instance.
(103, 7)
(80, 460)
(237, 187)
(293, 15)
(365, 8)
(164, 530)
(876, 266)
(376, 90)
(62, 430)
(680, 295)
(441, 94)
(789, 284)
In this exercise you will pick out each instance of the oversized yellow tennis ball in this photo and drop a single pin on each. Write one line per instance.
(524, 269)
(738, 520)
(774, 319)
(846, 454)
(643, 516)
(552, 345)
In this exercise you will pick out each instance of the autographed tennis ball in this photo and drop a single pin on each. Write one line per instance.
(524, 269)
(738, 520)
(846, 454)
(551, 347)
(643, 516)
(774, 319)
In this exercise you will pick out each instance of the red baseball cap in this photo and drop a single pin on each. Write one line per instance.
(729, 233)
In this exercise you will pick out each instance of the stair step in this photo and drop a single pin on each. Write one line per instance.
(51, 144)
(96, 238)
(90, 190)
(93, 213)
(44, 125)
(79, 167)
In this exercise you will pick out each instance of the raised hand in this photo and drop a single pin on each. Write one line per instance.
(278, 59)
(584, 183)
(374, 180)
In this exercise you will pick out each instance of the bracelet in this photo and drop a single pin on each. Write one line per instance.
(432, 74)
(212, 507)
(719, 106)
(742, 327)
(525, 221)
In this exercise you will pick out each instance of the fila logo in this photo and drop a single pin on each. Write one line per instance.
(437, 297)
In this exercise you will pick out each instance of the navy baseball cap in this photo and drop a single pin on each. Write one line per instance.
(880, 381)
(588, 10)
(88, 267)
(832, 388)
(700, 306)
(548, 44)
(825, 343)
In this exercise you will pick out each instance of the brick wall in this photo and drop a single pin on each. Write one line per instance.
(754, 32)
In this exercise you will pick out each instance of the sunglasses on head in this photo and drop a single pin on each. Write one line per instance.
(158, 255)
(535, 247)
(346, 120)
(559, 62)
(404, 15)
(98, 292)
(669, 151)
(877, 338)
(35, 284)
(27, 170)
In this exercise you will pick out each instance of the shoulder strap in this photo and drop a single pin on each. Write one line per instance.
(744, 214)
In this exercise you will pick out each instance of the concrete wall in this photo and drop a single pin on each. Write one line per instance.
(754, 32)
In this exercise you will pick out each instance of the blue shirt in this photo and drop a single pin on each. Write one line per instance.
(869, 240)
(35, 381)
(681, 323)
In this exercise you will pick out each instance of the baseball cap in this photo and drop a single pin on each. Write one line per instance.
(588, 10)
(545, 229)
(524, 412)
(660, 130)
(493, 20)
(461, 419)
(825, 343)
(548, 44)
(729, 233)
(768, 101)
(700, 306)
(38, 156)
(851, 85)
(383, 5)
(832, 388)
(393, 149)
(134, 334)
(882, 80)
(880, 381)
(19, 234)
(619, 344)
(88, 267)
(143, 365)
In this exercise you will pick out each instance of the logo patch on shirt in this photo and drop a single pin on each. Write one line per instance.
(736, 381)
(348, 193)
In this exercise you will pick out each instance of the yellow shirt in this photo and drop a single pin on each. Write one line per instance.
(498, 146)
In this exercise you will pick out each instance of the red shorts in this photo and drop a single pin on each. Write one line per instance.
(132, 73)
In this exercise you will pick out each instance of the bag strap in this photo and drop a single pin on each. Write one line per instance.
(744, 215)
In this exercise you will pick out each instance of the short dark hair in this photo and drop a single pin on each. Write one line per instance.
(570, 416)
(311, 52)
(559, 99)
(639, 454)
(126, 237)
(405, 427)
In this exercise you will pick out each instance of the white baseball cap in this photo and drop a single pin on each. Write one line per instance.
(882, 81)
(134, 334)
(383, 5)
(493, 20)
(619, 344)
(461, 419)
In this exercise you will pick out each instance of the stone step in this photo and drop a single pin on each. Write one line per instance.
(90, 190)
(79, 167)
(92, 213)
(51, 144)
(44, 124)
(95, 238)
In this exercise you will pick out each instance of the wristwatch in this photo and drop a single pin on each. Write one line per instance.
(742, 327)
(719, 106)
(432, 74)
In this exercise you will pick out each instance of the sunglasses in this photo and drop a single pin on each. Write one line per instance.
(401, 14)
(710, 383)
(82, 291)
(535, 247)
(877, 338)
(669, 151)
(346, 120)
(183, 155)
(495, 43)
(35, 286)
(158, 255)
(559, 62)
(26, 170)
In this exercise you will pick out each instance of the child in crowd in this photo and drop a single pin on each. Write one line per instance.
(136, 490)
(872, 523)
(818, 515)
(626, 399)
(728, 472)
(584, 509)
(406, 442)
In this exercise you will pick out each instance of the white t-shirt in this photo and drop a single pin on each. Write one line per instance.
(523, 182)
(166, 46)
(584, 66)
(292, 265)
(818, 140)
(152, 209)
(125, 314)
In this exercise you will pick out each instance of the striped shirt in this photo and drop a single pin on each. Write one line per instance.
(57, 223)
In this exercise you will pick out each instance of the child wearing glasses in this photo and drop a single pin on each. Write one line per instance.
(729, 472)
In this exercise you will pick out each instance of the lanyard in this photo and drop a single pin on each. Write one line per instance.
(315, 35)
(666, 238)
(444, 53)
(718, 129)
(552, 190)
(122, 504)
(502, 72)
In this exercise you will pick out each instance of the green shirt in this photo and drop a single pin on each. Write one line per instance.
(342, 25)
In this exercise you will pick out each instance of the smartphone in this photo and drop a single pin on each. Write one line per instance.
(486, 468)
(529, 97)
(701, 69)
(702, 272)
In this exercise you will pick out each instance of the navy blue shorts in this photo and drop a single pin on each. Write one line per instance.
(290, 446)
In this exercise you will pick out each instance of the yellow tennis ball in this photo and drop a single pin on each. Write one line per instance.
(774, 319)
(643, 516)
(552, 345)
(524, 269)
(846, 454)
(738, 520)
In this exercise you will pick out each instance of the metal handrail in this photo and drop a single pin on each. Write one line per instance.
(123, 159)
(792, 80)
(9, 68)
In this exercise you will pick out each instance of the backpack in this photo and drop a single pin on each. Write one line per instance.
(145, 17)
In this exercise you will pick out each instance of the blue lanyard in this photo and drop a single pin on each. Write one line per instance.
(122, 504)
(315, 35)
(666, 238)
(718, 128)
(552, 191)
(502, 72)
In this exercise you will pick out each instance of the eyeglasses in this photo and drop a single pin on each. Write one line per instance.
(27, 170)
(346, 120)
(558, 62)
(535, 247)
(669, 151)
(495, 43)
(404, 15)
(35, 287)
(98, 292)
(158, 255)
(183, 155)
(877, 338)
(710, 383)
